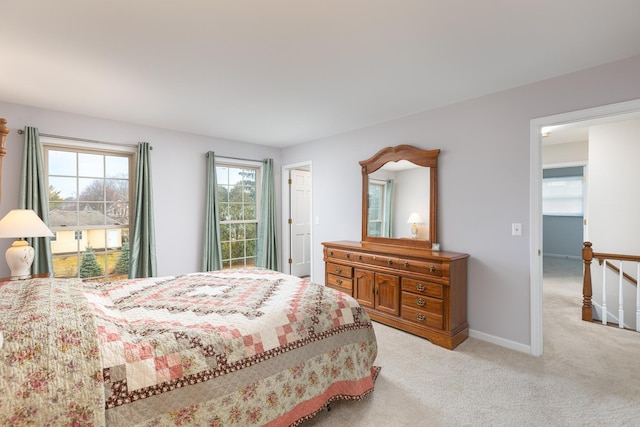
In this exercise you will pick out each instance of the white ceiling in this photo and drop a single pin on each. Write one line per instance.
(281, 72)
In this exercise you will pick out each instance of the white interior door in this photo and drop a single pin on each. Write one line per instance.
(300, 222)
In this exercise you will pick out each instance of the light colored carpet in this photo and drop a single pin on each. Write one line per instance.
(589, 374)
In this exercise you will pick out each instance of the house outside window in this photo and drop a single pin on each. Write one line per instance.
(89, 210)
(238, 200)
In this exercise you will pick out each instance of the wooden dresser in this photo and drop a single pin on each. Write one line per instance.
(413, 289)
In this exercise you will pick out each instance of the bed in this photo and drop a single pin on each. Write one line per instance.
(233, 347)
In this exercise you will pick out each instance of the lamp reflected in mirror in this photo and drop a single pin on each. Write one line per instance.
(414, 220)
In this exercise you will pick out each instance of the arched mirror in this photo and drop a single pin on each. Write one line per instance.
(399, 196)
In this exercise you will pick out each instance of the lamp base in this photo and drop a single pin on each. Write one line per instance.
(19, 258)
(414, 231)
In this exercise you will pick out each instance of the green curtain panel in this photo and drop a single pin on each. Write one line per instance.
(267, 231)
(143, 238)
(388, 210)
(34, 195)
(211, 251)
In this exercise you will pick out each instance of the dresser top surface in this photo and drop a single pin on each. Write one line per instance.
(350, 245)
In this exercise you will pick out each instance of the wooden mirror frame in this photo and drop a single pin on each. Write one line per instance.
(426, 158)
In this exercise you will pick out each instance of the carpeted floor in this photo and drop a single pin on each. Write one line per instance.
(588, 376)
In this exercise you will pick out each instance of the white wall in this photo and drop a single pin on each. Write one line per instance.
(570, 152)
(483, 182)
(613, 205)
(178, 168)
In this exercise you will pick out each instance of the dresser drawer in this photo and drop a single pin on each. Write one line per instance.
(423, 288)
(423, 303)
(340, 254)
(432, 268)
(340, 283)
(422, 317)
(339, 270)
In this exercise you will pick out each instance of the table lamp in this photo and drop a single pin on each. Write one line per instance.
(22, 223)
(414, 219)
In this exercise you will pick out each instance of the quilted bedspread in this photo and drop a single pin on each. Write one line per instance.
(233, 347)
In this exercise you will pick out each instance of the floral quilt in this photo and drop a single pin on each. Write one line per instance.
(232, 347)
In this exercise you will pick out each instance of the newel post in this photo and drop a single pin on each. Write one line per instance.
(587, 308)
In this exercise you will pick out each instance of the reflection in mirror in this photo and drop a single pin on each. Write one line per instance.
(397, 191)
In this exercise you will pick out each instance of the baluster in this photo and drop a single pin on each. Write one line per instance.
(620, 299)
(604, 292)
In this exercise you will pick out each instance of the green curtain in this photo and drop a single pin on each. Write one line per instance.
(267, 231)
(211, 251)
(387, 230)
(143, 238)
(34, 195)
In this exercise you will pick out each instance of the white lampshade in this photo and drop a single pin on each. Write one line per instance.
(415, 218)
(21, 223)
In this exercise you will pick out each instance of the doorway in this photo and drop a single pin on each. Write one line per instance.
(297, 214)
(603, 113)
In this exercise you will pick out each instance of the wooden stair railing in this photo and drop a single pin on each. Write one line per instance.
(587, 292)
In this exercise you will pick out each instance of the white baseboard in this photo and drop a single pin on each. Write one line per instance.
(512, 345)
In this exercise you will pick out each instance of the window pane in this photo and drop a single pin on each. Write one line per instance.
(62, 163)
(222, 175)
(251, 230)
(237, 249)
(91, 189)
(92, 214)
(63, 214)
(251, 248)
(62, 188)
(117, 190)
(65, 265)
(118, 213)
(250, 212)
(116, 167)
(90, 165)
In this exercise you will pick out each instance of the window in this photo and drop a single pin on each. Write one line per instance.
(563, 196)
(238, 198)
(377, 191)
(89, 194)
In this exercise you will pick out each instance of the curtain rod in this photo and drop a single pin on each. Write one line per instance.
(70, 138)
(238, 158)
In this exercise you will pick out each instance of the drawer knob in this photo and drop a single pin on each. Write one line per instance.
(348, 255)
(420, 287)
(420, 317)
(406, 264)
(331, 253)
(339, 281)
(360, 257)
(390, 262)
(420, 302)
(432, 268)
(338, 270)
